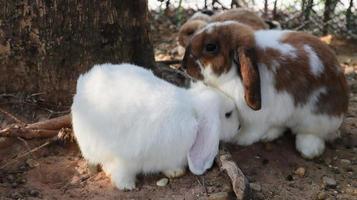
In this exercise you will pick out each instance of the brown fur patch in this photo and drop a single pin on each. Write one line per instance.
(228, 39)
(188, 29)
(243, 16)
(294, 74)
(250, 76)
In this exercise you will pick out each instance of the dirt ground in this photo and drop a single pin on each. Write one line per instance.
(275, 170)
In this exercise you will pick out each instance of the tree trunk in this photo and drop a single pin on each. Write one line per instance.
(235, 4)
(303, 6)
(265, 14)
(308, 9)
(45, 45)
(275, 10)
(349, 18)
(330, 6)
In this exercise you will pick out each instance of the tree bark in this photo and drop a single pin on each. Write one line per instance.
(275, 10)
(45, 45)
(330, 6)
(265, 14)
(308, 9)
(349, 19)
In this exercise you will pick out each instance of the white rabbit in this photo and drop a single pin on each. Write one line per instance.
(130, 121)
(279, 80)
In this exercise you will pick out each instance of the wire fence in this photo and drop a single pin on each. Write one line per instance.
(320, 17)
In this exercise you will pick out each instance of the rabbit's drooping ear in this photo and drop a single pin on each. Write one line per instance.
(246, 61)
(202, 153)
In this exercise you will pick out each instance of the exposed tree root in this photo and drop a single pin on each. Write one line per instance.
(44, 129)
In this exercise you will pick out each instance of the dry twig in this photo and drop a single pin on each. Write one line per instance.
(240, 183)
(43, 129)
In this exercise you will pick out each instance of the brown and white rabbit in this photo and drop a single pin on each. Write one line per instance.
(200, 20)
(279, 80)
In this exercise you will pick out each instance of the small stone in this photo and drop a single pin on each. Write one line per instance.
(255, 186)
(300, 171)
(32, 163)
(10, 178)
(23, 168)
(34, 193)
(345, 162)
(219, 196)
(162, 182)
(321, 195)
(329, 182)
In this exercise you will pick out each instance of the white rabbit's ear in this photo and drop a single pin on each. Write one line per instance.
(205, 148)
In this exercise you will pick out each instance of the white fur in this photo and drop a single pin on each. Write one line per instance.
(272, 39)
(316, 65)
(277, 113)
(130, 121)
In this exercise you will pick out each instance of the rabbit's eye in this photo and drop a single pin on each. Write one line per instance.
(228, 114)
(211, 48)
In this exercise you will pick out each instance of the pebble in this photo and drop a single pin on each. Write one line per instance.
(329, 182)
(321, 195)
(34, 193)
(11, 178)
(300, 171)
(255, 186)
(345, 162)
(32, 163)
(162, 182)
(219, 196)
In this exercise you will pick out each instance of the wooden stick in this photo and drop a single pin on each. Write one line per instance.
(52, 124)
(18, 131)
(239, 182)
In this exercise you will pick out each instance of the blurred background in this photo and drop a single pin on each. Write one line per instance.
(338, 17)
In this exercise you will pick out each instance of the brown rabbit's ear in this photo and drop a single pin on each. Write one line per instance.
(249, 72)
